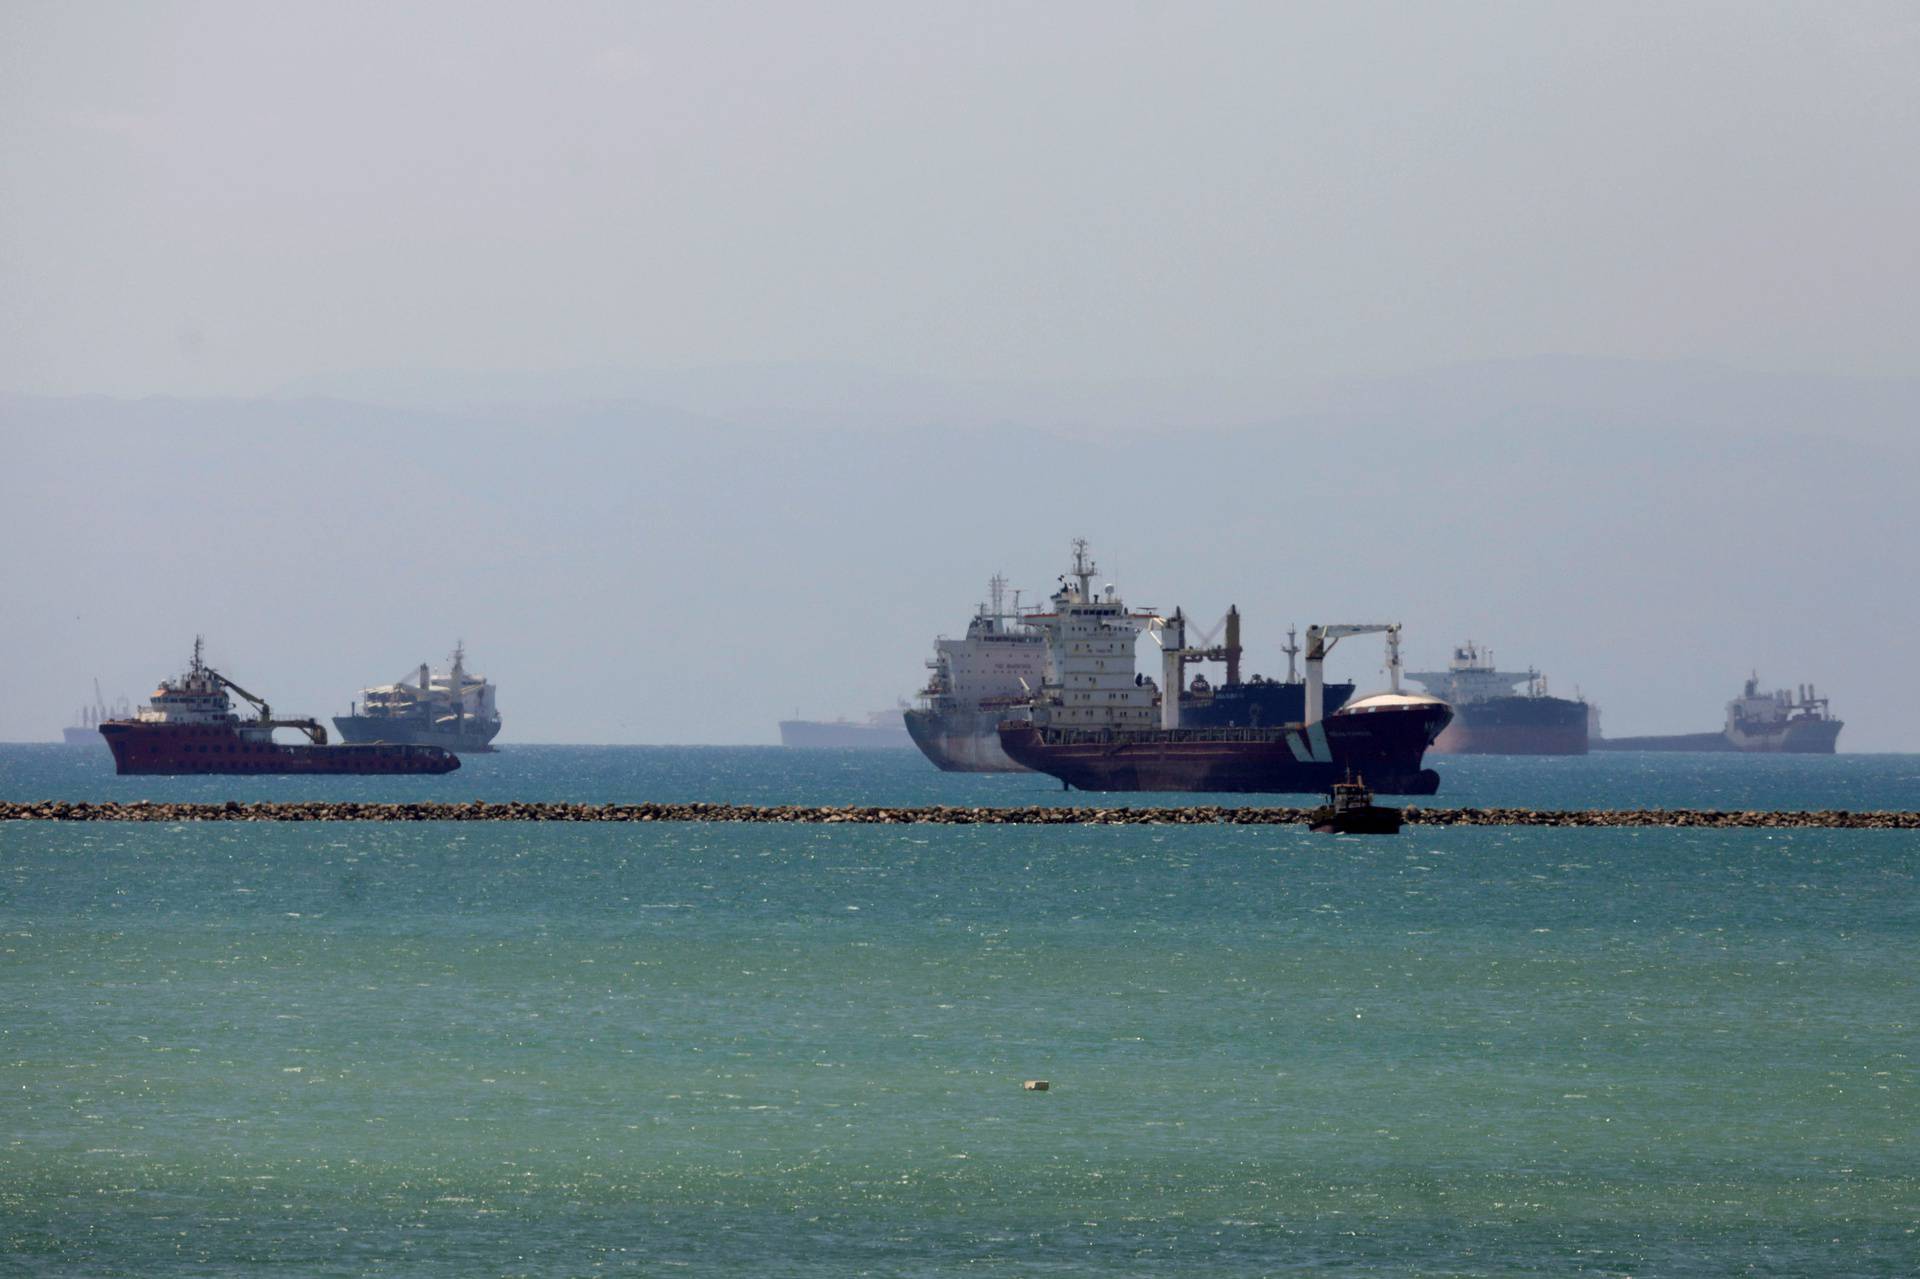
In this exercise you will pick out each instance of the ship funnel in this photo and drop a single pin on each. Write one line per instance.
(1233, 644)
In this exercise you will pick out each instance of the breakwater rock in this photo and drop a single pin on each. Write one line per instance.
(939, 815)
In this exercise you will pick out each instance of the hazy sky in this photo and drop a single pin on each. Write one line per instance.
(223, 198)
(698, 363)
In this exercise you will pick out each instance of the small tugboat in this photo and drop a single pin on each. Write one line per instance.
(1350, 810)
(190, 727)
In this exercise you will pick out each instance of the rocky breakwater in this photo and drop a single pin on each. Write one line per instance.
(938, 815)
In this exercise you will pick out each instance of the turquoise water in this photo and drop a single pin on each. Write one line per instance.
(504, 1049)
(769, 775)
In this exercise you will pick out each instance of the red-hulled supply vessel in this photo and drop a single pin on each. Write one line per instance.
(190, 727)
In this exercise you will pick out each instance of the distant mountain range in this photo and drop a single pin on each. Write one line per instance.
(1543, 391)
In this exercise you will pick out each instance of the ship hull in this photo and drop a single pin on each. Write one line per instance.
(802, 734)
(181, 749)
(1268, 704)
(1515, 726)
(1383, 747)
(80, 736)
(1803, 737)
(960, 741)
(1706, 742)
(475, 737)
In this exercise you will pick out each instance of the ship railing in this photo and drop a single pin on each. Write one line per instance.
(1148, 736)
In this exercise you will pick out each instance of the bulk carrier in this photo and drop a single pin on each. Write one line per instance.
(190, 727)
(1097, 725)
(454, 711)
(1490, 718)
(1785, 722)
(994, 674)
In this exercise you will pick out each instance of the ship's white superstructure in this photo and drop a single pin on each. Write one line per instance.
(1090, 681)
(449, 708)
(1001, 656)
(1785, 719)
(197, 697)
(1471, 676)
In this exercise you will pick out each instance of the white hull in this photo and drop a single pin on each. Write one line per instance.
(962, 741)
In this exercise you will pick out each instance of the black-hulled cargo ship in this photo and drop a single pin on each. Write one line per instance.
(1783, 722)
(1099, 726)
(190, 727)
(1491, 718)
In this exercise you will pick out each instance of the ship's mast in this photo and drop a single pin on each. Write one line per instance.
(457, 677)
(1083, 568)
(1292, 650)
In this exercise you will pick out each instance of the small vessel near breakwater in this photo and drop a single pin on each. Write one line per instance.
(190, 726)
(1350, 810)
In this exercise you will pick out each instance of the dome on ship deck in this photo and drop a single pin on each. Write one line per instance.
(1388, 702)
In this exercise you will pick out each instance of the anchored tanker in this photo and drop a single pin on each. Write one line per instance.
(1787, 722)
(454, 710)
(1098, 725)
(1490, 718)
(881, 731)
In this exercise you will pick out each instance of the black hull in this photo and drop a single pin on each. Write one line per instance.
(1382, 747)
(1372, 820)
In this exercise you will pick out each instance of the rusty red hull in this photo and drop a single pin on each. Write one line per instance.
(175, 749)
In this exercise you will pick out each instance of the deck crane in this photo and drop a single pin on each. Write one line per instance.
(1171, 634)
(1320, 642)
(311, 727)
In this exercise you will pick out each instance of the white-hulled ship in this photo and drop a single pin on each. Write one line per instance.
(977, 681)
(453, 709)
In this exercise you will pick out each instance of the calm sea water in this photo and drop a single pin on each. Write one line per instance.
(482, 1049)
